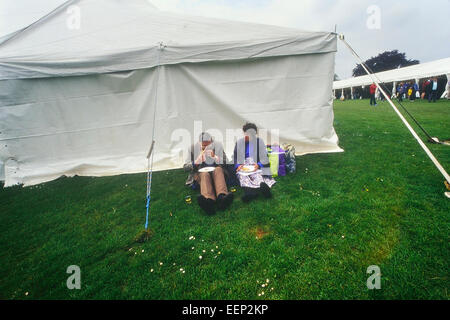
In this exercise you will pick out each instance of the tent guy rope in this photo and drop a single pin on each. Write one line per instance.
(382, 83)
(377, 82)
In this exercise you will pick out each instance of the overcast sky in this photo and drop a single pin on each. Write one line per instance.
(419, 28)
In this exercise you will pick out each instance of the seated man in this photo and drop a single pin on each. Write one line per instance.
(213, 188)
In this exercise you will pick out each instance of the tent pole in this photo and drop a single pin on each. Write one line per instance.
(150, 154)
(394, 89)
(447, 87)
(376, 81)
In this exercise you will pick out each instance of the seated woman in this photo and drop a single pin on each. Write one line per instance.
(252, 164)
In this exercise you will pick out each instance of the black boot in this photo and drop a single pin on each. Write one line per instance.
(224, 200)
(208, 205)
(265, 190)
(249, 194)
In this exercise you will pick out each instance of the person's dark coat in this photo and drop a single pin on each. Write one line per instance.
(257, 150)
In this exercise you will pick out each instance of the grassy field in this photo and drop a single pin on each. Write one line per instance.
(381, 203)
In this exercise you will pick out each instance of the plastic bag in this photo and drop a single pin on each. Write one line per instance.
(273, 159)
(289, 151)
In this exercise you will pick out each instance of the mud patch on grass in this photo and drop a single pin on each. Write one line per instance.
(260, 232)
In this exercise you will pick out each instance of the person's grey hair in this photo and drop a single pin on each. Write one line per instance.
(204, 136)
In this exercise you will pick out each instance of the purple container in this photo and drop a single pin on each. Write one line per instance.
(281, 160)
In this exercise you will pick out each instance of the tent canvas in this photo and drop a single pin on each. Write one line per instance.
(82, 101)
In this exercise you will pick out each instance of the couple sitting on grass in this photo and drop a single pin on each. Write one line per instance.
(207, 164)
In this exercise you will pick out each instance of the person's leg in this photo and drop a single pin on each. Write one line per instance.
(249, 194)
(434, 95)
(206, 186)
(224, 198)
(207, 197)
(265, 190)
(219, 181)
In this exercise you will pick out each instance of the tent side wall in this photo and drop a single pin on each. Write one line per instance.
(2, 171)
(99, 125)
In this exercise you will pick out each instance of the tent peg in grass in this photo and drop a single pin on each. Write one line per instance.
(143, 236)
(447, 185)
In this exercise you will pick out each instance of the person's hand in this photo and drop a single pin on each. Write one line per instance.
(256, 166)
(200, 159)
(209, 153)
(239, 168)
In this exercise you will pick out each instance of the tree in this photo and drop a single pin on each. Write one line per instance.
(387, 60)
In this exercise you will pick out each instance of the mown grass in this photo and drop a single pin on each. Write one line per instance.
(381, 203)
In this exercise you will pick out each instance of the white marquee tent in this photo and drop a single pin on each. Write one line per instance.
(415, 72)
(81, 101)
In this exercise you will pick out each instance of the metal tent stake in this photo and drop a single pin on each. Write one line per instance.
(149, 182)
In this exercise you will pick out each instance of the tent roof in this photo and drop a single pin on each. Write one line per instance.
(119, 35)
(418, 71)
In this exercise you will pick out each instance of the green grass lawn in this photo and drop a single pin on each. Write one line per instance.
(381, 203)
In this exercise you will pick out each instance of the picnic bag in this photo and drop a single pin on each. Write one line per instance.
(289, 152)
